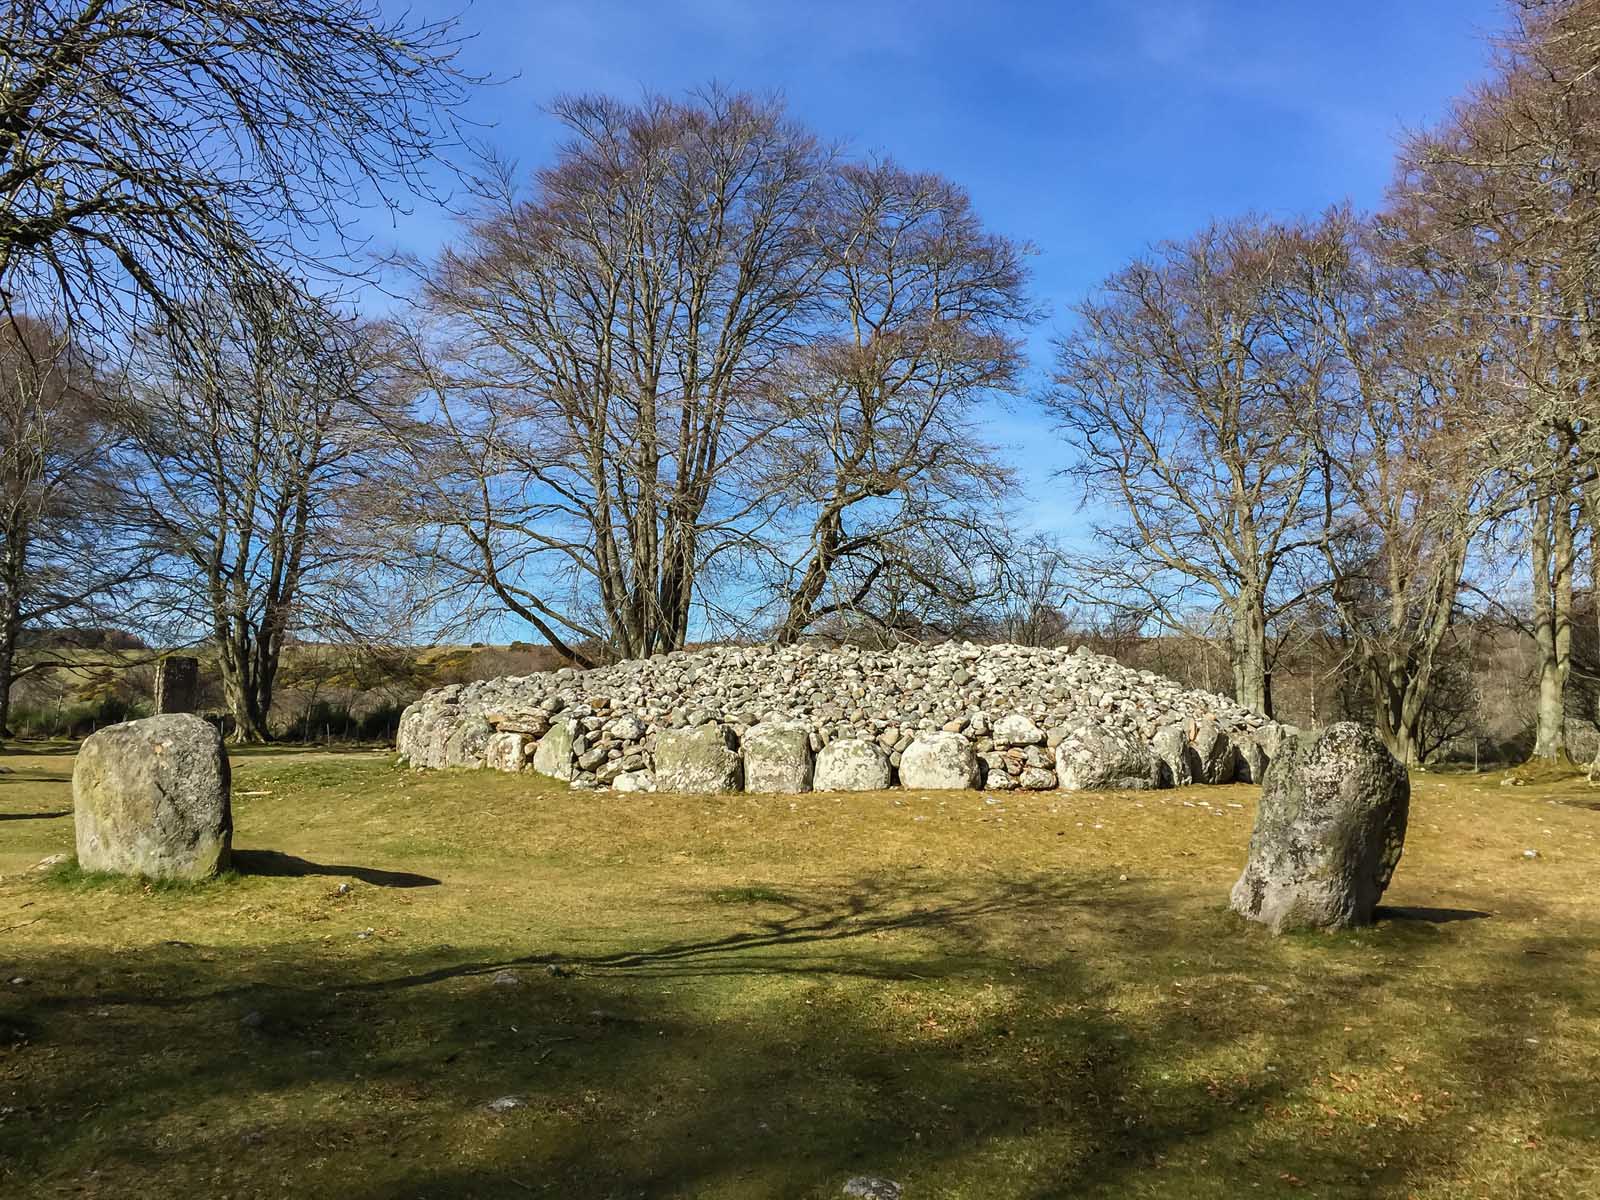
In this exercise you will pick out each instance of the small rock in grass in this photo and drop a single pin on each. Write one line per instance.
(1530, 854)
(871, 1187)
(506, 1104)
(253, 1020)
(506, 979)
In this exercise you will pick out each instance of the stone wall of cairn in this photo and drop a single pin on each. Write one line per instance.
(794, 718)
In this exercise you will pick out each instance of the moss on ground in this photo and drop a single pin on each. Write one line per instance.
(1029, 996)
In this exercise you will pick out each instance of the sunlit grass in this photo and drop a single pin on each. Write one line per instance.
(1017, 996)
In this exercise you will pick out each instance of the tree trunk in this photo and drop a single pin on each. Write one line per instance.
(803, 602)
(9, 628)
(234, 662)
(13, 578)
(1552, 555)
(249, 722)
(1249, 655)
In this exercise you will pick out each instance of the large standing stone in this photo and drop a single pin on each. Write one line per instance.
(851, 765)
(1328, 834)
(939, 761)
(1097, 760)
(150, 798)
(553, 755)
(177, 684)
(703, 759)
(777, 758)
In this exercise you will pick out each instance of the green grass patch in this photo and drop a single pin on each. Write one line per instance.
(750, 894)
(72, 877)
(738, 997)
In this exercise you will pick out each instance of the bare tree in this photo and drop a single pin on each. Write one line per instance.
(1179, 392)
(152, 149)
(1407, 460)
(255, 461)
(1032, 594)
(1507, 183)
(879, 450)
(68, 556)
(596, 376)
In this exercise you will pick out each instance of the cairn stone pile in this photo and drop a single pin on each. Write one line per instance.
(789, 718)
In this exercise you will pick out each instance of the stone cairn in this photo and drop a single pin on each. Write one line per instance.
(794, 718)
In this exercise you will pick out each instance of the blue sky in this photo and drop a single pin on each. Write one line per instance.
(1091, 128)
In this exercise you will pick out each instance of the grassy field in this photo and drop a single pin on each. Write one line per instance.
(1038, 996)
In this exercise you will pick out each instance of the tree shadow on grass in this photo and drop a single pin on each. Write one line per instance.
(1009, 1037)
(277, 863)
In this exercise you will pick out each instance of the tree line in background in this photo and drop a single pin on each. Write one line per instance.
(704, 375)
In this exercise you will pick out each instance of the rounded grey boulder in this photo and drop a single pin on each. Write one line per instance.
(1329, 832)
(939, 760)
(150, 798)
(852, 765)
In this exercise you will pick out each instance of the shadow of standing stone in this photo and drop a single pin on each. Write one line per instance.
(1329, 832)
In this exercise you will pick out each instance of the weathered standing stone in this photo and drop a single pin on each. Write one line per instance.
(939, 761)
(553, 755)
(1092, 760)
(1328, 834)
(150, 798)
(506, 752)
(777, 758)
(851, 765)
(177, 684)
(1172, 747)
(1272, 736)
(1216, 760)
(702, 759)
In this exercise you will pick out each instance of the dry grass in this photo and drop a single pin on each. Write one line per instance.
(760, 997)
